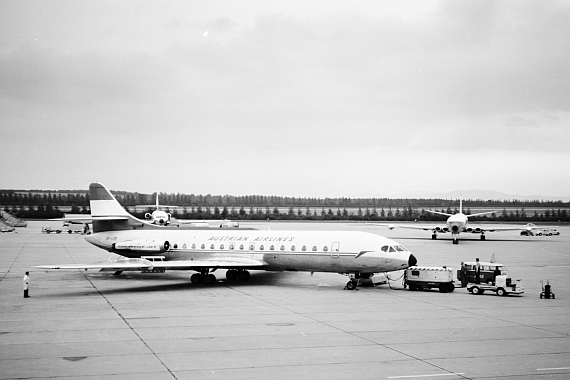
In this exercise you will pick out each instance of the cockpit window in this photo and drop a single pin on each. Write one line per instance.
(384, 248)
(392, 249)
(400, 248)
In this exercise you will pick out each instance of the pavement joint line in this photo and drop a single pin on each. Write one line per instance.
(433, 375)
(130, 327)
(347, 332)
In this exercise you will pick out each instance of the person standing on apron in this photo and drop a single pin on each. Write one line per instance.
(26, 284)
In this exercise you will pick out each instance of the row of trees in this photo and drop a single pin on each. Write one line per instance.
(71, 197)
(298, 213)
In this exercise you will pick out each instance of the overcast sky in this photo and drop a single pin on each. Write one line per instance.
(293, 98)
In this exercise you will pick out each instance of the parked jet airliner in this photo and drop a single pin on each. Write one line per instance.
(152, 248)
(459, 222)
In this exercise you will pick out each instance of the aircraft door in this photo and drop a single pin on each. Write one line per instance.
(335, 249)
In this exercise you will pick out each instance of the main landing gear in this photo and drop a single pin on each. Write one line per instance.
(204, 277)
(433, 236)
(482, 236)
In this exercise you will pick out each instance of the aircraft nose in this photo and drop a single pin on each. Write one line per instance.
(412, 260)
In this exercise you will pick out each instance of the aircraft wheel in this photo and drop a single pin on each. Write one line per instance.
(501, 292)
(196, 278)
(243, 275)
(209, 279)
(433, 237)
(231, 274)
(482, 237)
(455, 241)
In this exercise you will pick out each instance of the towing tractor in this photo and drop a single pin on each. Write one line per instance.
(502, 286)
(419, 278)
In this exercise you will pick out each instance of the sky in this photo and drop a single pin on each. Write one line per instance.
(290, 98)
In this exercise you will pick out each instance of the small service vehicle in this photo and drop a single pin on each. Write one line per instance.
(49, 230)
(502, 286)
(419, 278)
(487, 272)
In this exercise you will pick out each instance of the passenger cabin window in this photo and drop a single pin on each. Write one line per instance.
(212, 246)
(314, 248)
(203, 246)
(304, 248)
(325, 248)
(193, 246)
(241, 246)
(272, 248)
(221, 246)
(292, 248)
(251, 246)
(261, 248)
(231, 245)
(282, 247)
(184, 246)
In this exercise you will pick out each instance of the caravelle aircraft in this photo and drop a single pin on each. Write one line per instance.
(159, 216)
(152, 248)
(459, 222)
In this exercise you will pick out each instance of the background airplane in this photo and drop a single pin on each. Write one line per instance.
(158, 216)
(459, 222)
(152, 248)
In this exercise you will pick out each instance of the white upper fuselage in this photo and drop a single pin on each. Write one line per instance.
(327, 251)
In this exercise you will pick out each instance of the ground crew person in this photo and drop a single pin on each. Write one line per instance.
(464, 275)
(26, 284)
(477, 271)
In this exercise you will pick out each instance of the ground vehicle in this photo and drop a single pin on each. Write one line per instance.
(503, 286)
(487, 271)
(49, 230)
(418, 278)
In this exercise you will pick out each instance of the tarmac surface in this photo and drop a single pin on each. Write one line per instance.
(93, 325)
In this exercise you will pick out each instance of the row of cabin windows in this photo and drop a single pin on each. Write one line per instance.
(261, 247)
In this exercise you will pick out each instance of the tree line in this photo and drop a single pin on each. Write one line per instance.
(42, 204)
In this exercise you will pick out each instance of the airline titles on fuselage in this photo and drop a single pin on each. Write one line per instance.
(246, 238)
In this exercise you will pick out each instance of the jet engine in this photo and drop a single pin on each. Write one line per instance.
(147, 215)
(146, 246)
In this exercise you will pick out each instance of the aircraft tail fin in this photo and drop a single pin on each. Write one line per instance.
(106, 212)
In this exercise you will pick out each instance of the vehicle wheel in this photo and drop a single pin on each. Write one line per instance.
(553, 296)
(541, 295)
(243, 275)
(476, 290)
(413, 287)
(48, 232)
(501, 292)
(450, 288)
(58, 232)
(196, 278)
(69, 232)
(350, 285)
(209, 279)
(231, 274)
(442, 288)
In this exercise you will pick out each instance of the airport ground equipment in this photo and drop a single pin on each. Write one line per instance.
(419, 278)
(503, 286)
(547, 291)
(49, 230)
(487, 272)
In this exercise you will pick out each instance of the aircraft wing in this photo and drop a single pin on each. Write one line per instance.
(88, 219)
(425, 227)
(512, 227)
(139, 264)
